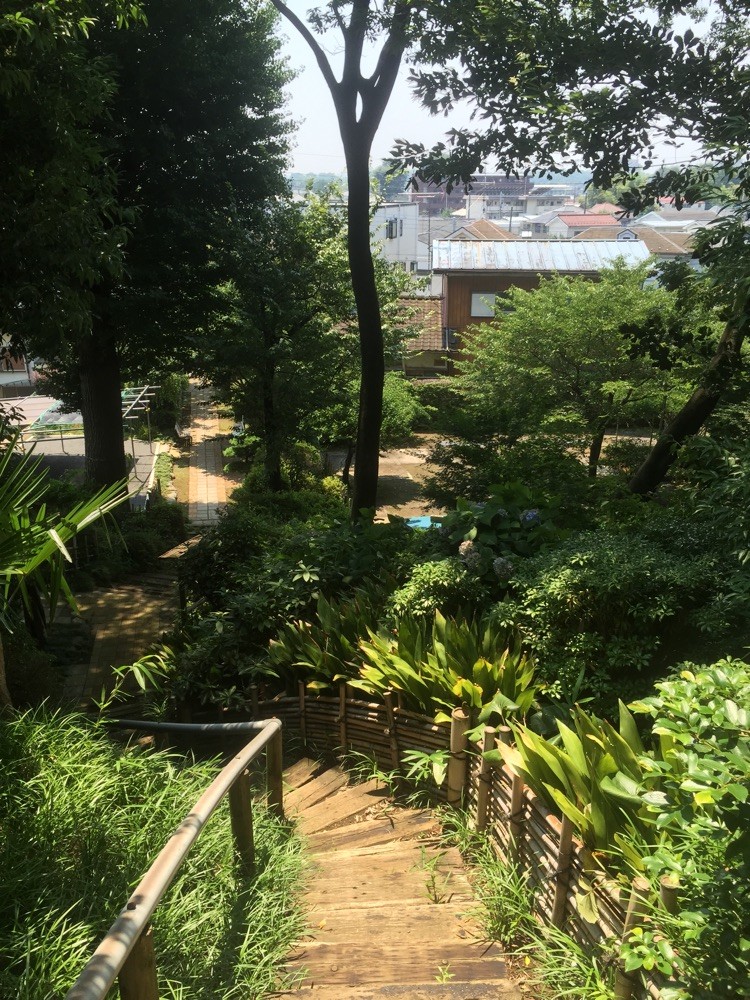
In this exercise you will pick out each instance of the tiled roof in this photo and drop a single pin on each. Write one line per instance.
(588, 219)
(656, 241)
(482, 229)
(536, 256)
(605, 208)
(427, 315)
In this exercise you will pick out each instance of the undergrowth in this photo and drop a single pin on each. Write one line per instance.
(81, 818)
(553, 965)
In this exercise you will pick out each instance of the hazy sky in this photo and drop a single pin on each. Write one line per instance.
(317, 146)
(317, 143)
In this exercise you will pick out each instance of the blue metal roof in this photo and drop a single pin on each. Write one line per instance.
(535, 255)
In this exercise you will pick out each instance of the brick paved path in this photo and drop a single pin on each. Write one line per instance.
(207, 486)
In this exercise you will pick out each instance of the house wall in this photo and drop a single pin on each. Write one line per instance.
(400, 243)
(459, 289)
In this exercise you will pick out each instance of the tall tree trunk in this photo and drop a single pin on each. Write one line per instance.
(364, 496)
(696, 411)
(101, 408)
(272, 460)
(360, 102)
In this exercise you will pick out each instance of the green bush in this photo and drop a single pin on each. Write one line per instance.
(30, 673)
(402, 410)
(470, 470)
(446, 585)
(600, 603)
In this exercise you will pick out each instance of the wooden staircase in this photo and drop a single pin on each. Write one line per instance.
(388, 908)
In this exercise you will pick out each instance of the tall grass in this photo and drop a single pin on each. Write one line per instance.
(81, 818)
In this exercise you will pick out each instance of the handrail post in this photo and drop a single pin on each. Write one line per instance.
(457, 760)
(137, 979)
(274, 769)
(241, 814)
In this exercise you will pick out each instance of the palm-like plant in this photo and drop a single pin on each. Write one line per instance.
(33, 543)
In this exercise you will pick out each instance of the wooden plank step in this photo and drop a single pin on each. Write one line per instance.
(343, 807)
(314, 791)
(387, 924)
(394, 825)
(303, 771)
(364, 962)
(487, 989)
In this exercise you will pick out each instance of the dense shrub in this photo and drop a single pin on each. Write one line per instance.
(446, 586)
(402, 410)
(600, 602)
(469, 470)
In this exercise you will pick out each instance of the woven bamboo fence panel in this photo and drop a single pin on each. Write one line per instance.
(530, 835)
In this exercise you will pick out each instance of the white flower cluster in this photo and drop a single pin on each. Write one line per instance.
(469, 555)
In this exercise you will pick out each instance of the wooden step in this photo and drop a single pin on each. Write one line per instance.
(360, 963)
(392, 825)
(342, 808)
(302, 772)
(486, 989)
(314, 791)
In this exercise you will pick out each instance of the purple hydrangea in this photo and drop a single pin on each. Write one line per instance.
(530, 517)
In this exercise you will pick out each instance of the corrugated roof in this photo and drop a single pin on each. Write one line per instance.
(538, 256)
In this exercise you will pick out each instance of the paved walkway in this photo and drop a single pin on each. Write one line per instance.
(207, 486)
(125, 620)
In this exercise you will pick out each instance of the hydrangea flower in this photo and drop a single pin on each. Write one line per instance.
(502, 567)
(530, 517)
(469, 555)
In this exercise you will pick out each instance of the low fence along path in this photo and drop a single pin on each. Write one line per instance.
(389, 909)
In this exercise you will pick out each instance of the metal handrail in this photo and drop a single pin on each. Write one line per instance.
(127, 931)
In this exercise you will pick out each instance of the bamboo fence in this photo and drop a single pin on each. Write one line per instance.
(520, 827)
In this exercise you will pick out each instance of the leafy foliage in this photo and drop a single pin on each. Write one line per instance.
(81, 819)
(449, 662)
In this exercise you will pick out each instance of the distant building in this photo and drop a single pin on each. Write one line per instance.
(429, 352)
(663, 246)
(395, 226)
(475, 273)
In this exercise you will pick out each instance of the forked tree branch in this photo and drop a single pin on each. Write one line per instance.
(320, 56)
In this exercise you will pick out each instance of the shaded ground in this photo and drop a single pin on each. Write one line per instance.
(402, 472)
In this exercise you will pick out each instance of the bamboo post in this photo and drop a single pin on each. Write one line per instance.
(392, 730)
(625, 985)
(516, 818)
(274, 774)
(302, 713)
(485, 778)
(137, 979)
(669, 888)
(241, 814)
(457, 762)
(562, 872)
(342, 716)
(505, 735)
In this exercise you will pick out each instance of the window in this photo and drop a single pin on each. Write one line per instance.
(483, 304)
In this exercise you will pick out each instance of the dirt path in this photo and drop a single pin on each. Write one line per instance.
(402, 472)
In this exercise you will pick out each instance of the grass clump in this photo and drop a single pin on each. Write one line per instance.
(81, 818)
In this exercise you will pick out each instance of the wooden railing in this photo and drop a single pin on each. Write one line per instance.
(127, 952)
(516, 823)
